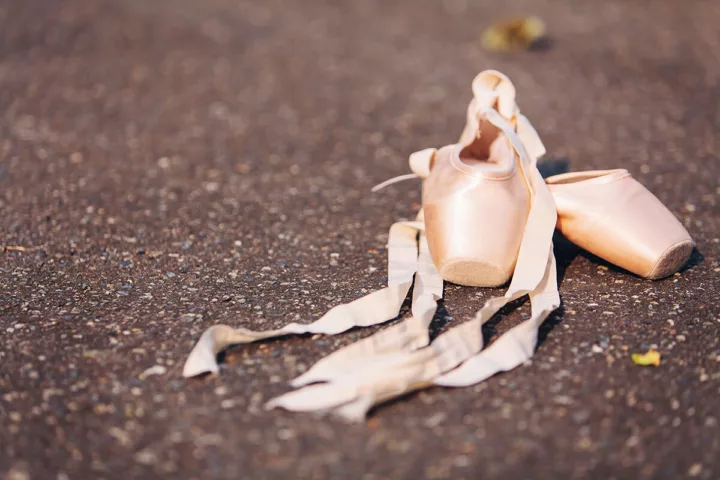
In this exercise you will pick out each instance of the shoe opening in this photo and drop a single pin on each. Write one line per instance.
(489, 152)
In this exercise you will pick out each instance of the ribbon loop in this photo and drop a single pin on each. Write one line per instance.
(493, 89)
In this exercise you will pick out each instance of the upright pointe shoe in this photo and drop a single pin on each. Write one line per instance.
(487, 215)
(476, 203)
(610, 214)
(475, 195)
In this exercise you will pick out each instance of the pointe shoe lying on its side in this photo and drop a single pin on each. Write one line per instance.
(476, 202)
(610, 214)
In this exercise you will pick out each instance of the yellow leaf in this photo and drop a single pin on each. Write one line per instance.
(520, 33)
(652, 357)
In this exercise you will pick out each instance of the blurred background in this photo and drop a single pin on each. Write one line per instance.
(172, 164)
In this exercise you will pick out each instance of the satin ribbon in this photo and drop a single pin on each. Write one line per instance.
(410, 334)
(398, 359)
(455, 358)
(404, 261)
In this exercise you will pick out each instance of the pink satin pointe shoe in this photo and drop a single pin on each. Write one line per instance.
(487, 216)
(475, 196)
(476, 202)
(610, 214)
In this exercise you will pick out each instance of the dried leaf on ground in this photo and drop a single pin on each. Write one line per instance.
(651, 357)
(514, 34)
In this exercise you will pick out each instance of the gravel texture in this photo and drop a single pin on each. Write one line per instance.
(172, 164)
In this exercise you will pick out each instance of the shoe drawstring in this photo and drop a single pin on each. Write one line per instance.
(399, 178)
(420, 164)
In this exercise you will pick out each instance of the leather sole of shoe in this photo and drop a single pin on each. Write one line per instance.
(672, 260)
(474, 273)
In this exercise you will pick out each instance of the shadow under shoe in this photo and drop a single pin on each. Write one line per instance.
(613, 216)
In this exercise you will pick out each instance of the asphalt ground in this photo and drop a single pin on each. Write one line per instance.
(168, 165)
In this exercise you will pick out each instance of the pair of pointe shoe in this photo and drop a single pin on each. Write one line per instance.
(477, 197)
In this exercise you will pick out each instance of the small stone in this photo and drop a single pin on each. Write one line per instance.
(633, 441)
(190, 317)
(17, 473)
(435, 420)
(461, 461)
(154, 370)
(212, 187)
(695, 470)
(585, 443)
(120, 435)
(285, 434)
(145, 457)
(581, 416)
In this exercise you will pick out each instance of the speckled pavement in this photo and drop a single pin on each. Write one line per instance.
(168, 165)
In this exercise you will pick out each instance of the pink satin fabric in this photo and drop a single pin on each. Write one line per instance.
(475, 218)
(487, 216)
(611, 215)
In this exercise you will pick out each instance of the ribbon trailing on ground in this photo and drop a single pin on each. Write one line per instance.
(400, 359)
(388, 375)
(404, 261)
(408, 335)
